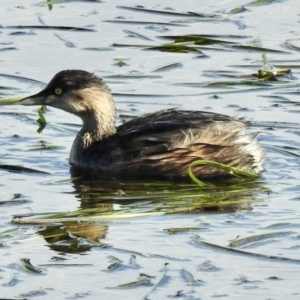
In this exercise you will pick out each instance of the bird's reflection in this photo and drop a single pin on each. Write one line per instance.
(111, 197)
(75, 238)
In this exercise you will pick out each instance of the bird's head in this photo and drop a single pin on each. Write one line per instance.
(74, 91)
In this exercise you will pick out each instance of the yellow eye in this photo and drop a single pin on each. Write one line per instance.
(58, 91)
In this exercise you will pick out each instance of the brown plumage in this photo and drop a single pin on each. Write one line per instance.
(160, 144)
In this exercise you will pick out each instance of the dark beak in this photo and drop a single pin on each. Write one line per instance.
(37, 99)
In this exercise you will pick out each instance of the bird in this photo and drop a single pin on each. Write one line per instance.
(156, 145)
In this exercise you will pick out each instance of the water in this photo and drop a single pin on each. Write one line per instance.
(73, 256)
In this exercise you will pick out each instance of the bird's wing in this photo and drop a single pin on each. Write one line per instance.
(168, 141)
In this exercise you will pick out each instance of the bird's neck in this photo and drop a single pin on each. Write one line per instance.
(96, 127)
(98, 124)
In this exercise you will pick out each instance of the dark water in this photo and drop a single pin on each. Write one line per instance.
(72, 259)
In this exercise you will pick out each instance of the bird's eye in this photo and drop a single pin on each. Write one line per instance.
(58, 91)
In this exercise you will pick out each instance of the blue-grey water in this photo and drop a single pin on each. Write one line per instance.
(72, 259)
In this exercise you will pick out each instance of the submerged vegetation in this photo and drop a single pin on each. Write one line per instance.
(140, 199)
(115, 202)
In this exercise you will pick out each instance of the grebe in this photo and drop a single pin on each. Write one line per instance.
(157, 145)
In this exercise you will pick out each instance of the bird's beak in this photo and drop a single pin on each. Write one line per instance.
(37, 99)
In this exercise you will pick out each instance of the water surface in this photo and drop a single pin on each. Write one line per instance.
(82, 259)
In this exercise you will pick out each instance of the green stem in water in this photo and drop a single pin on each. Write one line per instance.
(234, 171)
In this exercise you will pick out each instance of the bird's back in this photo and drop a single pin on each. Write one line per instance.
(164, 143)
